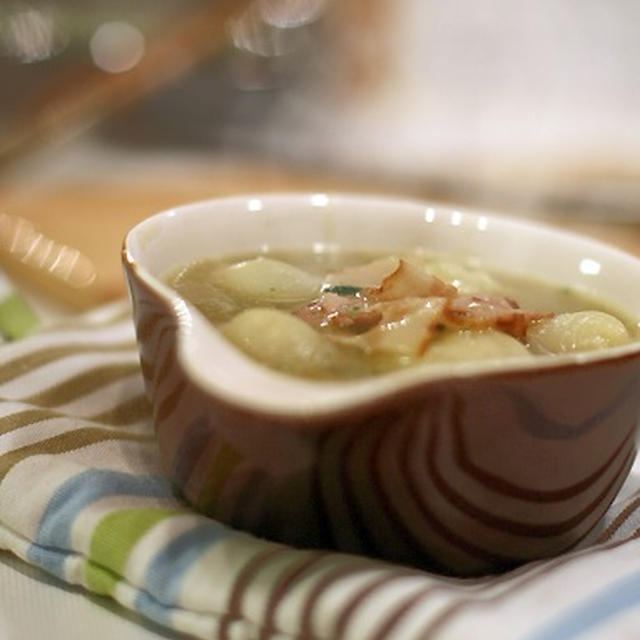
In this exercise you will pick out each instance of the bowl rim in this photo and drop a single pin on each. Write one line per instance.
(316, 400)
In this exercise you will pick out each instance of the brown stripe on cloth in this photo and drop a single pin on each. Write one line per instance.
(521, 577)
(81, 384)
(392, 620)
(35, 359)
(352, 605)
(544, 568)
(132, 410)
(624, 516)
(351, 566)
(443, 585)
(285, 583)
(25, 418)
(65, 442)
(243, 580)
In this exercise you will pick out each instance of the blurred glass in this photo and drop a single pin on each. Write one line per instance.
(51, 52)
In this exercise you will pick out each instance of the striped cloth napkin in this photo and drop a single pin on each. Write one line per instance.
(83, 497)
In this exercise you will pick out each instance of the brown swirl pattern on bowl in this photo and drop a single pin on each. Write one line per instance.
(461, 475)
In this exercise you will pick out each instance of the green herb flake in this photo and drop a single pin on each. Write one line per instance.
(342, 289)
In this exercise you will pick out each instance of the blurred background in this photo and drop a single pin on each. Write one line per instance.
(111, 110)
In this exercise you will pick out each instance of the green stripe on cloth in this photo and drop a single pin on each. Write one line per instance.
(112, 542)
(16, 317)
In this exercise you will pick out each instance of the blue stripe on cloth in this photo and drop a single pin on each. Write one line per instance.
(53, 538)
(164, 575)
(619, 596)
(50, 560)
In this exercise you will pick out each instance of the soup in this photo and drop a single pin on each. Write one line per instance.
(334, 315)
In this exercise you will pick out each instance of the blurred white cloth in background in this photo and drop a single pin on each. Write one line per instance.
(518, 78)
(519, 99)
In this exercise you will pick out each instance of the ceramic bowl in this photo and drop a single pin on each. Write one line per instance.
(463, 468)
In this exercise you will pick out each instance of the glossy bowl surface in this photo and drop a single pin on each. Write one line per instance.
(461, 468)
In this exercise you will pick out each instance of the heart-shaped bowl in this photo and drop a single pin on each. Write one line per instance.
(463, 468)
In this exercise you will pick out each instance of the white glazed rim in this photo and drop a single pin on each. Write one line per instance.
(220, 369)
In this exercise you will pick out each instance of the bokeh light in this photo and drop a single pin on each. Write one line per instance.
(117, 47)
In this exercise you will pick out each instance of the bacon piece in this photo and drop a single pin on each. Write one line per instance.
(406, 328)
(411, 280)
(495, 312)
(344, 313)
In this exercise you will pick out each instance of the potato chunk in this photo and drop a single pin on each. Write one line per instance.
(579, 331)
(465, 278)
(196, 284)
(284, 342)
(459, 346)
(264, 281)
